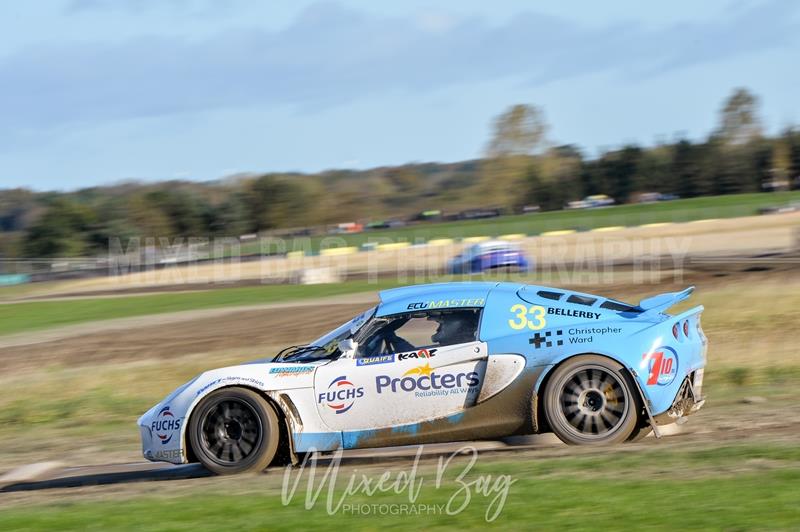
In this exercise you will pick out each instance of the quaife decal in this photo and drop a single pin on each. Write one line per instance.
(573, 313)
(291, 371)
(662, 366)
(421, 353)
(425, 381)
(447, 303)
(341, 395)
(165, 425)
(369, 361)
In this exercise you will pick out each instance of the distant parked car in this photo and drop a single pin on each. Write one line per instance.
(477, 214)
(494, 254)
(652, 197)
(591, 202)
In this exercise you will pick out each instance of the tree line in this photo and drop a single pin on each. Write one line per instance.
(521, 167)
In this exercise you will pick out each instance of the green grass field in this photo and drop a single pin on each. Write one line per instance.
(26, 316)
(684, 210)
(732, 487)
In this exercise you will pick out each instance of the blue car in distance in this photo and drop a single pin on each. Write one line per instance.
(490, 255)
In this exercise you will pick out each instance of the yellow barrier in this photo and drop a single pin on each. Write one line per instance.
(440, 242)
(558, 233)
(657, 224)
(295, 254)
(608, 229)
(393, 246)
(474, 239)
(513, 236)
(338, 251)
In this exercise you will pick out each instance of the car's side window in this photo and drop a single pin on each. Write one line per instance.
(408, 332)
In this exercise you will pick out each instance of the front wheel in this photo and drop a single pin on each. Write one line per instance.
(234, 430)
(590, 400)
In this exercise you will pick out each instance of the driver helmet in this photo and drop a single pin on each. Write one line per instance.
(454, 327)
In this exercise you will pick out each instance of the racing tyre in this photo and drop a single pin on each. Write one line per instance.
(640, 433)
(234, 430)
(591, 400)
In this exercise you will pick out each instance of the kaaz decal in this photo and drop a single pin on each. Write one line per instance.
(165, 425)
(379, 359)
(341, 395)
(421, 353)
(662, 366)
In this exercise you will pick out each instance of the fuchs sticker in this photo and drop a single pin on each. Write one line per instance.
(341, 395)
(662, 366)
(380, 359)
(421, 353)
(165, 425)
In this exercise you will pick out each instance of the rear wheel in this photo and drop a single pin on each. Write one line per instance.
(590, 400)
(234, 430)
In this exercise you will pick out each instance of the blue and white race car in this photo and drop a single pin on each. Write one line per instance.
(445, 362)
(491, 255)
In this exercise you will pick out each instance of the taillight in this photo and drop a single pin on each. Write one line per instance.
(675, 331)
(686, 328)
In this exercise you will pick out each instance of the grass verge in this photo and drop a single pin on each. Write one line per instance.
(730, 487)
(19, 317)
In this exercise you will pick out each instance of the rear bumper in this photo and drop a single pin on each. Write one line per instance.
(688, 400)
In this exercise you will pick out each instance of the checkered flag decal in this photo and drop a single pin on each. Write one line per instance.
(538, 341)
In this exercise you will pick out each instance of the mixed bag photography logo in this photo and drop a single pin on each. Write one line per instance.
(453, 484)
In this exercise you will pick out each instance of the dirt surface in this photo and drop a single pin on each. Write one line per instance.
(171, 335)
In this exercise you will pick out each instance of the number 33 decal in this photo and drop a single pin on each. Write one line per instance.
(532, 318)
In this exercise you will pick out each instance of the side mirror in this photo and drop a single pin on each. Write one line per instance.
(348, 348)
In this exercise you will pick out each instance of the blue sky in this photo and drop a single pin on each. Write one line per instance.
(98, 91)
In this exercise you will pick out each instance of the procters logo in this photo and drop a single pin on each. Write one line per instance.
(341, 395)
(425, 378)
(165, 425)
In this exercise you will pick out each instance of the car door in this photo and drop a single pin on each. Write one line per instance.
(399, 382)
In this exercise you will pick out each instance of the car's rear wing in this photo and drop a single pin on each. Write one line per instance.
(662, 302)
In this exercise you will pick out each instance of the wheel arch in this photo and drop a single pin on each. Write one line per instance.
(285, 444)
(539, 419)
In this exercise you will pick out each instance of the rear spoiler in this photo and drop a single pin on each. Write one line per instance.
(662, 302)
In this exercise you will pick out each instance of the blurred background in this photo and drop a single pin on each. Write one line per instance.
(186, 184)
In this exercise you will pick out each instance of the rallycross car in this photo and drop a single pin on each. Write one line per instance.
(445, 362)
